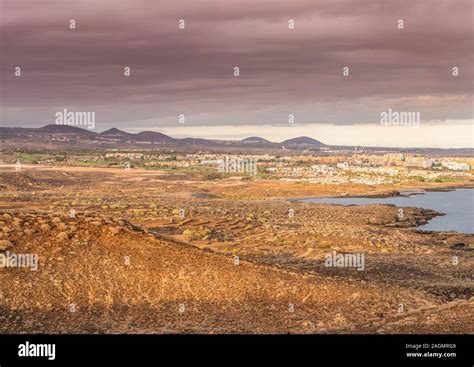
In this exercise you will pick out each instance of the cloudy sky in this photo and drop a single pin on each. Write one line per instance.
(283, 71)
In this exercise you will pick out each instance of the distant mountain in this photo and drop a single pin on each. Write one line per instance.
(144, 136)
(65, 129)
(153, 136)
(303, 141)
(73, 136)
(115, 133)
(12, 132)
(196, 141)
(255, 139)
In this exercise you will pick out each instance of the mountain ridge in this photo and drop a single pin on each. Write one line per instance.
(74, 137)
(151, 136)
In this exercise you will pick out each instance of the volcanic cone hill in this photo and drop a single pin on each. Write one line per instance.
(98, 274)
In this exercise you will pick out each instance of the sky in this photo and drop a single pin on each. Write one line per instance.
(283, 71)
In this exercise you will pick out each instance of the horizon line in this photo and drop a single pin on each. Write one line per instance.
(236, 140)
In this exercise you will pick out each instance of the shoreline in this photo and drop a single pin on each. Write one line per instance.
(421, 217)
(389, 194)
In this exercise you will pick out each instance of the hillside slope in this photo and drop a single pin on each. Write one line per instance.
(168, 287)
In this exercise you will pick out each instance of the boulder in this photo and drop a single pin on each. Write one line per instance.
(5, 245)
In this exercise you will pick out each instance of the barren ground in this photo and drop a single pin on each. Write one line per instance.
(154, 252)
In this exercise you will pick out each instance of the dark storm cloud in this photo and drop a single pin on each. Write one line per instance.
(190, 71)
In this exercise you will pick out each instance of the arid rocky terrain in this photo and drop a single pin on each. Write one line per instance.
(137, 251)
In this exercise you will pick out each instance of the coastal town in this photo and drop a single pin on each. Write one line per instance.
(356, 168)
